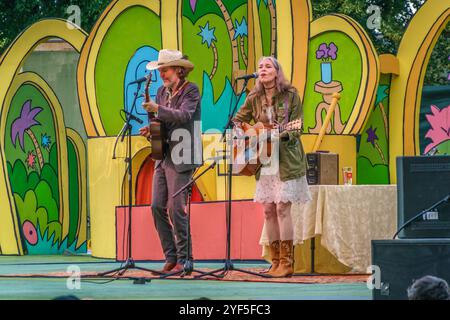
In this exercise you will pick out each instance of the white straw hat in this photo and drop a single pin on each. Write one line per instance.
(170, 58)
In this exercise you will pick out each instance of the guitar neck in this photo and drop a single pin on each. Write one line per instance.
(284, 128)
(287, 127)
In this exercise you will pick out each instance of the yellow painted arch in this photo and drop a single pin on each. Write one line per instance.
(370, 66)
(88, 58)
(206, 184)
(389, 64)
(406, 90)
(12, 59)
(171, 30)
(293, 25)
(138, 160)
(80, 149)
(9, 223)
(10, 63)
(254, 39)
(302, 15)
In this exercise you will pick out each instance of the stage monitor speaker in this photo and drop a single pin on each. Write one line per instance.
(402, 261)
(323, 168)
(421, 182)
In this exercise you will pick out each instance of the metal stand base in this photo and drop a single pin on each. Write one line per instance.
(129, 264)
(230, 267)
(188, 269)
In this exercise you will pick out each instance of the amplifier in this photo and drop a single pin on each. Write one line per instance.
(322, 168)
(421, 182)
(400, 262)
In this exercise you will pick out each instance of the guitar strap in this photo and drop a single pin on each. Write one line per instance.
(286, 110)
(173, 95)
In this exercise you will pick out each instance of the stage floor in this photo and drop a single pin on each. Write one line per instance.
(18, 281)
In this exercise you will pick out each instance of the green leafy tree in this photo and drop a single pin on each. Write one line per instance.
(394, 18)
(16, 15)
(395, 15)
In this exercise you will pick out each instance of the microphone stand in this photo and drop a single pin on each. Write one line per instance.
(127, 129)
(228, 263)
(434, 206)
(188, 266)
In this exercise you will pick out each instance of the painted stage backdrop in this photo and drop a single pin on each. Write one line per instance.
(47, 196)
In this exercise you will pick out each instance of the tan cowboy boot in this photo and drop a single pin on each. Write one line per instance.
(274, 249)
(285, 268)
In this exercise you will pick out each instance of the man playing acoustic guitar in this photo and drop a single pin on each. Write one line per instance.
(177, 107)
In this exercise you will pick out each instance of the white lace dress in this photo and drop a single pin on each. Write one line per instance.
(269, 188)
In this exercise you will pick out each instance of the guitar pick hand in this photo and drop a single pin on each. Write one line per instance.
(150, 106)
(144, 131)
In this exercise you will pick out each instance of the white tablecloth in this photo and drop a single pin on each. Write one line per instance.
(347, 218)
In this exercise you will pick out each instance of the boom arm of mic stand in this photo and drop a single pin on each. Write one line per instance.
(127, 122)
(191, 182)
(121, 134)
(133, 106)
(230, 116)
(434, 206)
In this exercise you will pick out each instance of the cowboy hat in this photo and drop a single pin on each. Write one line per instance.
(170, 58)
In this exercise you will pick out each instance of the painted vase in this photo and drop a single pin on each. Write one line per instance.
(325, 70)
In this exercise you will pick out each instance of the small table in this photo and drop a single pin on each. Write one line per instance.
(347, 219)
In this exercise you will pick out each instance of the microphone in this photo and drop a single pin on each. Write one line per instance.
(140, 80)
(248, 76)
(133, 117)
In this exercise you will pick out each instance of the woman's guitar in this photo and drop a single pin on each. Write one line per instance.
(254, 142)
(158, 136)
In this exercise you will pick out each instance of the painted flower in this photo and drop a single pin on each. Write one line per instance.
(326, 52)
(30, 233)
(439, 121)
(31, 160)
(332, 51)
(322, 52)
(46, 141)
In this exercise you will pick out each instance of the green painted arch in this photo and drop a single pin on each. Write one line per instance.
(9, 223)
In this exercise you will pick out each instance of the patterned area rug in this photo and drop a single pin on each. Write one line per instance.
(230, 276)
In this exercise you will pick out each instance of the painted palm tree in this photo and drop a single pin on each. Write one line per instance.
(209, 38)
(381, 94)
(273, 20)
(241, 31)
(23, 125)
(270, 4)
(372, 138)
(230, 27)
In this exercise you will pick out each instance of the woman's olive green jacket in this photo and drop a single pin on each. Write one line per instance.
(292, 163)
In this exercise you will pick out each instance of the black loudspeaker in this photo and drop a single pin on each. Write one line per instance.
(402, 261)
(421, 182)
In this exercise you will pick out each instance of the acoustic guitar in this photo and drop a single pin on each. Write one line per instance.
(158, 134)
(256, 141)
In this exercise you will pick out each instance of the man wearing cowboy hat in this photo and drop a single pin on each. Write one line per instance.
(177, 106)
